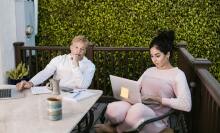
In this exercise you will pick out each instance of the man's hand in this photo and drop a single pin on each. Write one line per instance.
(75, 60)
(24, 85)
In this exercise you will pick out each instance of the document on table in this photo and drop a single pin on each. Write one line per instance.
(78, 95)
(40, 90)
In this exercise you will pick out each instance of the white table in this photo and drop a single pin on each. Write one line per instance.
(29, 114)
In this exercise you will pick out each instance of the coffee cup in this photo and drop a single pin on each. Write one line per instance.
(54, 108)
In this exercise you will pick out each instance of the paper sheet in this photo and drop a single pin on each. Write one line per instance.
(40, 90)
(124, 92)
(79, 95)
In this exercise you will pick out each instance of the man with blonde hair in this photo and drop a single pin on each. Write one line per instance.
(73, 70)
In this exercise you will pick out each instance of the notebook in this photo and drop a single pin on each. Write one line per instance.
(9, 93)
(125, 89)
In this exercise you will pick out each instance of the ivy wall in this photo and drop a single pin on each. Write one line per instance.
(121, 23)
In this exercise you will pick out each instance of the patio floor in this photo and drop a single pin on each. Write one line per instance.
(98, 108)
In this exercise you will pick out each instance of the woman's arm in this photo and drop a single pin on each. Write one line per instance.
(183, 95)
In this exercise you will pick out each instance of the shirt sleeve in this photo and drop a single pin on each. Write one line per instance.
(46, 72)
(84, 79)
(182, 101)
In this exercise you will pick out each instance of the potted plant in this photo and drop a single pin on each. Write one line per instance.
(19, 73)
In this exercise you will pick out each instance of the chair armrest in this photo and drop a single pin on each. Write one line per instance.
(106, 99)
(155, 119)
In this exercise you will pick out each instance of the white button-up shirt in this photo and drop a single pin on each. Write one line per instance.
(70, 76)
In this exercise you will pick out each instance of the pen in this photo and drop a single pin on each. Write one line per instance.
(78, 92)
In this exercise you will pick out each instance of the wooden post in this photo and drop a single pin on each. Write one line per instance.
(198, 97)
(181, 44)
(89, 53)
(17, 48)
(202, 62)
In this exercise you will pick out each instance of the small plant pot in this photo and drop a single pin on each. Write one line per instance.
(15, 81)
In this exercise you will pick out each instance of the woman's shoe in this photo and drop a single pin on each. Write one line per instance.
(167, 130)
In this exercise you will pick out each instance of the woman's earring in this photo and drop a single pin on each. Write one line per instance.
(168, 55)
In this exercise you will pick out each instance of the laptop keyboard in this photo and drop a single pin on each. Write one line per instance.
(4, 93)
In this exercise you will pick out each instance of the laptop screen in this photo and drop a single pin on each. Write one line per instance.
(125, 89)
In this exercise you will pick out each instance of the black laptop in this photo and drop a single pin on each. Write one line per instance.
(8, 93)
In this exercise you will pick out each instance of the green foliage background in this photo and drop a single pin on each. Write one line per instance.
(133, 23)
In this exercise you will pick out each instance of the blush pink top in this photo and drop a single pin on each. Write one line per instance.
(170, 84)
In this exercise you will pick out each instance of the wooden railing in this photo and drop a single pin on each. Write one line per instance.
(131, 63)
(125, 62)
(205, 89)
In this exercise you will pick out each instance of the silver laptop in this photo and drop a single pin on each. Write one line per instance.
(9, 93)
(125, 89)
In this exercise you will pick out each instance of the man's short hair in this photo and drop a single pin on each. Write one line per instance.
(80, 38)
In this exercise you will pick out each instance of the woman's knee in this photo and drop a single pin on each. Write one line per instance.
(117, 111)
(139, 113)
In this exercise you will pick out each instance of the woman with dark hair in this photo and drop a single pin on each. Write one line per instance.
(163, 83)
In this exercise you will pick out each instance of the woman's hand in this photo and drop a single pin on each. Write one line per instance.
(151, 100)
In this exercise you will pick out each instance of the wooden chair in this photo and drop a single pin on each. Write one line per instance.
(176, 118)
